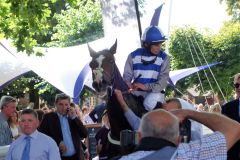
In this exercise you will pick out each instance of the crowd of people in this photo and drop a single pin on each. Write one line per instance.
(171, 129)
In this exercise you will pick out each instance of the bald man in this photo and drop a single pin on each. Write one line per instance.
(160, 139)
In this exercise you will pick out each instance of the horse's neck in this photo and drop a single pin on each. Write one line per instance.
(118, 82)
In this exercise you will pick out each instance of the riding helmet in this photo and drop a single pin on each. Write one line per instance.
(153, 34)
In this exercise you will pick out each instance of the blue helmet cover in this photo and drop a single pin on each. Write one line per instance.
(153, 34)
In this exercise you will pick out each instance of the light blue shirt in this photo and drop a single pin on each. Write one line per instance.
(5, 132)
(43, 147)
(67, 137)
(132, 119)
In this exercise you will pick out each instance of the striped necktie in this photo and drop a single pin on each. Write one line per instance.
(26, 151)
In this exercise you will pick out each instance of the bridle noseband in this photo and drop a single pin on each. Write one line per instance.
(99, 73)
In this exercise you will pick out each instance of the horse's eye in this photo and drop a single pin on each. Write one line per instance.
(93, 64)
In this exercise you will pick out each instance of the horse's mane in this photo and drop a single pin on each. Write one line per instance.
(118, 82)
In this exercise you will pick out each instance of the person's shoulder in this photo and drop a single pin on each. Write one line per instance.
(17, 141)
(206, 145)
(229, 105)
(137, 51)
(44, 137)
(231, 102)
(163, 54)
(50, 114)
(1, 117)
(212, 139)
(136, 155)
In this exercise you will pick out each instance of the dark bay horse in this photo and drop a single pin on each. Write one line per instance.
(106, 74)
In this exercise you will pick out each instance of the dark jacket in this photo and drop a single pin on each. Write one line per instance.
(51, 126)
(231, 110)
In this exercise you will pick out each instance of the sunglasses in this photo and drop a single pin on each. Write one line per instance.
(148, 62)
(236, 85)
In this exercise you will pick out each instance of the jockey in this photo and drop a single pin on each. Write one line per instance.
(146, 70)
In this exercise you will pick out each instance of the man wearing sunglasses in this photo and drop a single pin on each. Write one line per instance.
(147, 69)
(232, 110)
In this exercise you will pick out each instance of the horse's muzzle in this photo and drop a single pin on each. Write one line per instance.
(100, 86)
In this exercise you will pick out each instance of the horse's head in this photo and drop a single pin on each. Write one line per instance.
(102, 66)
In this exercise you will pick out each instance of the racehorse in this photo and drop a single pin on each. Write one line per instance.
(105, 74)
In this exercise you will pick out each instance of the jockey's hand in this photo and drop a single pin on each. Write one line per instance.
(139, 86)
(130, 86)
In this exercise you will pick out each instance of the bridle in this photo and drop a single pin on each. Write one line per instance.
(99, 73)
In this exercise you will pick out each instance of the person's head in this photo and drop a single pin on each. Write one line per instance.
(45, 109)
(84, 110)
(215, 108)
(153, 38)
(8, 106)
(236, 82)
(178, 103)
(13, 119)
(40, 115)
(62, 103)
(28, 121)
(160, 124)
(171, 104)
(200, 107)
(72, 109)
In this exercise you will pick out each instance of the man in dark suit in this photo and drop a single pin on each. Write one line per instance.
(65, 128)
(232, 110)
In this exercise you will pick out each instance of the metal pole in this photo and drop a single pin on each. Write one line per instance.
(169, 24)
(138, 18)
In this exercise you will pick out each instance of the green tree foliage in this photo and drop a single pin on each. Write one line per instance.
(233, 8)
(46, 92)
(184, 51)
(30, 23)
(74, 22)
(78, 25)
(224, 46)
(22, 20)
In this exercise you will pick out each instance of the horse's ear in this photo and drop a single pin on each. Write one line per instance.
(91, 51)
(113, 49)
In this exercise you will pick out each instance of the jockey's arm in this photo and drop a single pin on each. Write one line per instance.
(163, 78)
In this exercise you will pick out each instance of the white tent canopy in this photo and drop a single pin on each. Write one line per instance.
(10, 67)
(67, 68)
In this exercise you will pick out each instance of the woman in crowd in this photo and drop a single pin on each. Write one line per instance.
(13, 124)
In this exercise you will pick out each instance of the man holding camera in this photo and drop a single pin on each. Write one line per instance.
(159, 136)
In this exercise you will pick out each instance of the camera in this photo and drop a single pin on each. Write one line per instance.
(128, 138)
(185, 130)
(128, 141)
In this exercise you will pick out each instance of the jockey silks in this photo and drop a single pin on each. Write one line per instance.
(147, 64)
